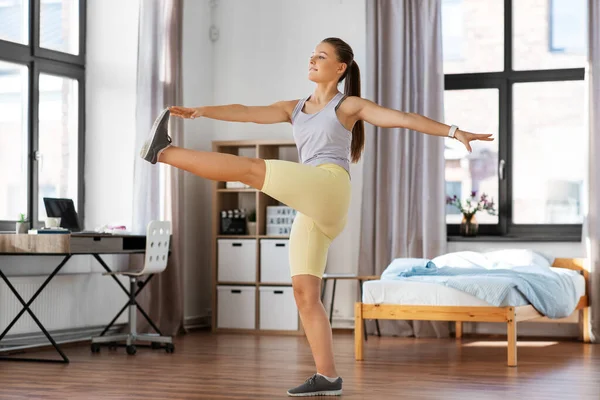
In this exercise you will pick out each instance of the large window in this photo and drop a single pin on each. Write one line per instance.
(515, 69)
(42, 77)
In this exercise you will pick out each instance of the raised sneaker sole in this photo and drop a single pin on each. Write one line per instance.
(148, 152)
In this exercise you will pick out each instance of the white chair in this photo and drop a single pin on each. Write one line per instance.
(157, 252)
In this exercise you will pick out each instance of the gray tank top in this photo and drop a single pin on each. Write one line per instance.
(320, 137)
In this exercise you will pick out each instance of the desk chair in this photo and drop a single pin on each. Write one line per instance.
(155, 261)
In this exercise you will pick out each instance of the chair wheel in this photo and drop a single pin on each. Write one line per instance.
(95, 347)
(170, 348)
(155, 346)
(131, 350)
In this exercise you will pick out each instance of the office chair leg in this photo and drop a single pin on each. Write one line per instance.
(139, 289)
(132, 336)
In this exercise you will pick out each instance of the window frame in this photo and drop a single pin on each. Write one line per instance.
(503, 81)
(45, 61)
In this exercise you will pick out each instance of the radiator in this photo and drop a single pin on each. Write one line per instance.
(72, 301)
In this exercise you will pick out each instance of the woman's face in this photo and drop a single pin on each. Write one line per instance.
(323, 65)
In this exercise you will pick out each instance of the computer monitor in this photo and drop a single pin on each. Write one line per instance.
(65, 210)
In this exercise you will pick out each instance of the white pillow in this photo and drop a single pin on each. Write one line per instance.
(511, 258)
(462, 259)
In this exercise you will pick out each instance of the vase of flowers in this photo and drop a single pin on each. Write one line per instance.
(469, 207)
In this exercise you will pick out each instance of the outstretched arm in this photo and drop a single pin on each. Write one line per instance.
(387, 118)
(272, 114)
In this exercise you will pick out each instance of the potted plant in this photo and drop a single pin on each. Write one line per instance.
(252, 222)
(468, 208)
(22, 224)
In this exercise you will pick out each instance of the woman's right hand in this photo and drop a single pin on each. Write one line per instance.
(185, 112)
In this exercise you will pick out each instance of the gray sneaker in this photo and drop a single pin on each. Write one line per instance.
(317, 385)
(159, 138)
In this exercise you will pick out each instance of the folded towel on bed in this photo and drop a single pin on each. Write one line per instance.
(402, 264)
(551, 292)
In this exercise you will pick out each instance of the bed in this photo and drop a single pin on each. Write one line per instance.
(398, 300)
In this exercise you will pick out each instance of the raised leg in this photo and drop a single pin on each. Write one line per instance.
(216, 166)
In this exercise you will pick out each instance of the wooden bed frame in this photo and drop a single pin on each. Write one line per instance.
(458, 314)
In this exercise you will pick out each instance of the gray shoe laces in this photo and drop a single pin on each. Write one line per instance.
(312, 380)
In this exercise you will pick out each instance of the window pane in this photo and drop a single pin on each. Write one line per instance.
(473, 35)
(14, 21)
(58, 133)
(474, 110)
(13, 140)
(59, 25)
(548, 152)
(549, 34)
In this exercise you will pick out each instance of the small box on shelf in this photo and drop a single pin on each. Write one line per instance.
(233, 222)
(236, 185)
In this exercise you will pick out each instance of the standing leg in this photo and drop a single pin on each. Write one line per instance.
(315, 322)
(308, 256)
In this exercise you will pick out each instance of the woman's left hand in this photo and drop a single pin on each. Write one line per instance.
(466, 137)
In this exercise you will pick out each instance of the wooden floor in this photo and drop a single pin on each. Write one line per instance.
(228, 366)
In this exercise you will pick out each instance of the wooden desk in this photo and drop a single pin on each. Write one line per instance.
(56, 244)
(360, 279)
(66, 245)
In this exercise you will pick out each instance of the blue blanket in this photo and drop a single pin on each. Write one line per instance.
(553, 294)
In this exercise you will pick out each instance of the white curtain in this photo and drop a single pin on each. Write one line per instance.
(592, 218)
(403, 212)
(157, 190)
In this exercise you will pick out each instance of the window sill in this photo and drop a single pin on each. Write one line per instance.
(507, 238)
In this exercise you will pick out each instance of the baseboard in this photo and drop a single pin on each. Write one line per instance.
(342, 323)
(197, 322)
(35, 340)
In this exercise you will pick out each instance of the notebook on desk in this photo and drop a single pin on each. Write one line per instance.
(65, 210)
